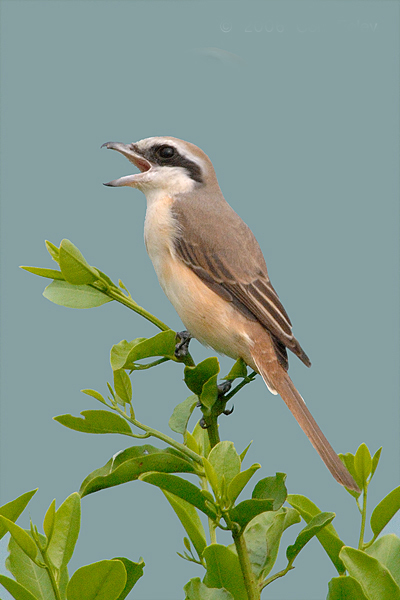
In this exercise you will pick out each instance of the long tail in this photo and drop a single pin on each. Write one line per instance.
(286, 389)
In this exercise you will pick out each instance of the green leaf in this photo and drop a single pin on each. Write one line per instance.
(180, 417)
(13, 509)
(202, 439)
(23, 539)
(48, 523)
(244, 512)
(211, 477)
(196, 377)
(181, 488)
(263, 535)
(104, 580)
(239, 369)
(375, 461)
(223, 571)
(49, 273)
(74, 266)
(106, 279)
(162, 344)
(240, 481)
(190, 520)
(110, 389)
(348, 461)
(328, 537)
(196, 590)
(226, 462)
(74, 296)
(306, 534)
(209, 393)
(53, 250)
(65, 532)
(63, 582)
(134, 571)
(95, 421)
(35, 579)
(123, 287)
(17, 591)
(207, 495)
(119, 352)
(245, 451)
(191, 443)
(363, 463)
(385, 511)
(123, 386)
(374, 577)
(272, 487)
(387, 551)
(94, 394)
(345, 588)
(132, 462)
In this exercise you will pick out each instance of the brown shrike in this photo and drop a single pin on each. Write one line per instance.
(211, 268)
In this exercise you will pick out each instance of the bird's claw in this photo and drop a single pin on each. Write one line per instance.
(228, 412)
(182, 347)
(223, 388)
(203, 424)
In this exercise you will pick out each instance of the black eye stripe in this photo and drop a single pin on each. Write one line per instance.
(176, 160)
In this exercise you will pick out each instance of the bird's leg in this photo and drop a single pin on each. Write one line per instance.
(210, 421)
(182, 347)
(223, 388)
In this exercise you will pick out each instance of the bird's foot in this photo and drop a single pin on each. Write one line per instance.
(223, 388)
(182, 347)
(203, 424)
(219, 406)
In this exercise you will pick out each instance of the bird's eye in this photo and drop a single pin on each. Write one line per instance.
(166, 151)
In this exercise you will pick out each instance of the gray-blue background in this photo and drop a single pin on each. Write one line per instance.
(296, 104)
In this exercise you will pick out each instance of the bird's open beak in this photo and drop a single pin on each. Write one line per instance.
(141, 163)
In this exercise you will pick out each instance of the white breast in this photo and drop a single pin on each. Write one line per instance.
(209, 318)
(159, 228)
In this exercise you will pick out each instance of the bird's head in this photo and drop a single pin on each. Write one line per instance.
(165, 164)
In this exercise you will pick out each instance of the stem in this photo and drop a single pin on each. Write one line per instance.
(117, 295)
(253, 592)
(358, 506)
(277, 575)
(252, 589)
(50, 571)
(237, 389)
(212, 528)
(363, 517)
(212, 430)
(161, 436)
(155, 363)
(368, 544)
(211, 421)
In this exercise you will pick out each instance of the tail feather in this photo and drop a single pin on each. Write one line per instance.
(293, 400)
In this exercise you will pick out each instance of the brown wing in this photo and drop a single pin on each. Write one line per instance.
(256, 299)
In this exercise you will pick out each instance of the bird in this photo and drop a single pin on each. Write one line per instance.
(211, 268)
